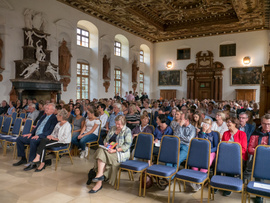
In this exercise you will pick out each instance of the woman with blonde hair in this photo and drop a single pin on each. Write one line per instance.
(197, 121)
(220, 125)
(108, 160)
(176, 120)
(132, 118)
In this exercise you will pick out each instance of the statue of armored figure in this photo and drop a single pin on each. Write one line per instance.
(135, 69)
(64, 59)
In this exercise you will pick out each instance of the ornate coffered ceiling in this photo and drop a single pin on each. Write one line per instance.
(162, 20)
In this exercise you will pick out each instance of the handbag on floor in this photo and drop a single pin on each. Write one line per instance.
(91, 175)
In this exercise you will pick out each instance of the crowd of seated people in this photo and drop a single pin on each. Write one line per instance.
(185, 118)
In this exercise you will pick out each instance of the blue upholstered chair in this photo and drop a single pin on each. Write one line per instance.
(198, 156)
(169, 152)
(260, 170)
(153, 127)
(62, 150)
(94, 143)
(5, 130)
(27, 128)
(229, 162)
(14, 116)
(22, 115)
(11, 138)
(1, 122)
(143, 151)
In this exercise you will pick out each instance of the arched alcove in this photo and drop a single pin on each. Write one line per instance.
(125, 45)
(93, 31)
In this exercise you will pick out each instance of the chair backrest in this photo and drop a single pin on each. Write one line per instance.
(14, 116)
(22, 115)
(27, 126)
(199, 153)
(153, 128)
(218, 135)
(99, 131)
(17, 126)
(261, 162)
(169, 149)
(6, 125)
(229, 158)
(150, 118)
(1, 122)
(144, 146)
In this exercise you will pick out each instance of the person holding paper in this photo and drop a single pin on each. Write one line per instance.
(108, 161)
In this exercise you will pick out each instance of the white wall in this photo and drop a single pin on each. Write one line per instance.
(254, 44)
(62, 21)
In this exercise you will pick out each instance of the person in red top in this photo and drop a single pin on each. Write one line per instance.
(235, 135)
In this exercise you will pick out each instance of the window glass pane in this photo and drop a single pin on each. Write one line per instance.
(78, 31)
(82, 37)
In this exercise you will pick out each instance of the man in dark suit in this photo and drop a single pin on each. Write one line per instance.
(44, 128)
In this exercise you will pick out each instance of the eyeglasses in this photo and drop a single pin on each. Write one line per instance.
(242, 117)
(266, 124)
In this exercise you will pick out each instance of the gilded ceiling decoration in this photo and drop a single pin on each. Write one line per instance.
(162, 20)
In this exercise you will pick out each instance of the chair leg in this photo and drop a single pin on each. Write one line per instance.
(202, 192)
(132, 175)
(88, 155)
(5, 148)
(179, 186)
(140, 187)
(209, 193)
(213, 194)
(14, 150)
(174, 182)
(248, 198)
(118, 183)
(70, 157)
(129, 175)
(57, 158)
(169, 190)
(184, 186)
(144, 188)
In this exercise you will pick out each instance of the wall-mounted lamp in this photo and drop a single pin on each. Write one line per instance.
(169, 65)
(246, 60)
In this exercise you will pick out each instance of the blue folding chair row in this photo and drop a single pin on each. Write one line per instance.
(5, 130)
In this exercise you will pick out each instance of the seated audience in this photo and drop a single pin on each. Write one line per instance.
(197, 121)
(176, 121)
(161, 129)
(33, 113)
(4, 107)
(244, 126)
(41, 112)
(61, 136)
(144, 127)
(44, 128)
(155, 107)
(117, 110)
(108, 161)
(89, 133)
(125, 108)
(250, 119)
(18, 106)
(133, 118)
(78, 122)
(259, 137)
(103, 117)
(220, 125)
(255, 110)
(172, 114)
(11, 108)
(207, 133)
(146, 107)
(235, 135)
(185, 131)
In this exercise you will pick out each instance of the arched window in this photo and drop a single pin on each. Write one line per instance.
(117, 81)
(117, 48)
(141, 56)
(141, 89)
(82, 37)
(82, 80)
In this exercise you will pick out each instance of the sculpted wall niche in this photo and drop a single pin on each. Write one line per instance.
(35, 71)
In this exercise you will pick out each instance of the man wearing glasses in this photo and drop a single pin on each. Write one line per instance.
(244, 126)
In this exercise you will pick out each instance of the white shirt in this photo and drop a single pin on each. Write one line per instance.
(90, 124)
(221, 129)
(103, 118)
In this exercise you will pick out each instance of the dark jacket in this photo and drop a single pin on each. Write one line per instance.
(48, 128)
(258, 138)
(249, 129)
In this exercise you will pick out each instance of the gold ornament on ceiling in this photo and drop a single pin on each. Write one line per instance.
(162, 20)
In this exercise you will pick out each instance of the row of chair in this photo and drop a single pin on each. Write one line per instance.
(228, 161)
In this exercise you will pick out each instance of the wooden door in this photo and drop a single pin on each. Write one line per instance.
(168, 94)
(204, 90)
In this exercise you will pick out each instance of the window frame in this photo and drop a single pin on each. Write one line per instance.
(81, 76)
(226, 49)
(117, 80)
(83, 37)
(117, 49)
(141, 56)
(141, 82)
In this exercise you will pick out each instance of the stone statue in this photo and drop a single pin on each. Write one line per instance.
(30, 70)
(29, 37)
(50, 69)
(28, 14)
(135, 69)
(40, 55)
(37, 21)
(64, 59)
(106, 68)
(1, 46)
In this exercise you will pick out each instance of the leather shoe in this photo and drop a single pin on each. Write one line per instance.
(38, 170)
(22, 161)
(30, 167)
(95, 191)
(101, 178)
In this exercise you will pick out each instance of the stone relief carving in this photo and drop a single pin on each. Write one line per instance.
(40, 55)
(53, 71)
(35, 20)
(30, 70)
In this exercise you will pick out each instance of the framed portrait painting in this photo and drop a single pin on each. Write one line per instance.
(170, 77)
(246, 75)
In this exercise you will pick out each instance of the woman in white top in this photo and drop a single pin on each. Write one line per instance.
(220, 125)
(61, 136)
(89, 132)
